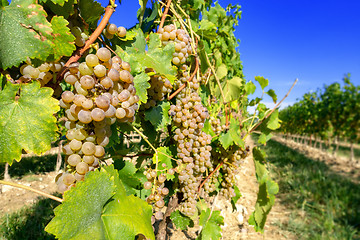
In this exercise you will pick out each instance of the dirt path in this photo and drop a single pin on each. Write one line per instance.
(340, 165)
(12, 199)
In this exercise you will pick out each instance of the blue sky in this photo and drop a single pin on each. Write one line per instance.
(315, 41)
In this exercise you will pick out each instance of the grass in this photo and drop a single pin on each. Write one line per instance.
(325, 205)
(29, 222)
(30, 165)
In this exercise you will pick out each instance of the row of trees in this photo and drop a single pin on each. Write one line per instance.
(331, 114)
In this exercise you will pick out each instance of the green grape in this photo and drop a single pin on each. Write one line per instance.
(107, 82)
(112, 29)
(102, 102)
(89, 159)
(99, 151)
(92, 60)
(97, 114)
(74, 159)
(121, 31)
(82, 168)
(87, 82)
(68, 179)
(67, 96)
(84, 69)
(88, 148)
(85, 116)
(103, 54)
(100, 71)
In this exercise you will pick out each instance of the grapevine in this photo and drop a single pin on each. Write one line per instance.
(174, 79)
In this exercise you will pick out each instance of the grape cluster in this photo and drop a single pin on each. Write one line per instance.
(193, 145)
(103, 93)
(157, 182)
(169, 34)
(80, 36)
(43, 73)
(216, 125)
(159, 88)
(205, 76)
(112, 29)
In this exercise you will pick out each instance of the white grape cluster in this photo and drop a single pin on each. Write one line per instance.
(206, 76)
(43, 73)
(103, 93)
(159, 191)
(112, 29)
(159, 88)
(80, 36)
(169, 34)
(193, 145)
(216, 125)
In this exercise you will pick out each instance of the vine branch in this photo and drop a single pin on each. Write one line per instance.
(33, 190)
(184, 85)
(164, 14)
(276, 106)
(209, 176)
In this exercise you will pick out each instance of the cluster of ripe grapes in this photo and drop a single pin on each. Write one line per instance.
(169, 34)
(216, 125)
(43, 73)
(112, 29)
(159, 191)
(103, 93)
(159, 88)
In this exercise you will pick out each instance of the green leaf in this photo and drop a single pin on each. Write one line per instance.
(87, 211)
(202, 55)
(250, 88)
(273, 122)
(159, 116)
(210, 222)
(266, 194)
(163, 157)
(262, 81)
(30, 33)
(63, 39)
(236, 198)
(263, 138)
(26, 121)
(126, 216)
(79, 216)
(232, 89)
(4, 3)
(180, 220)
(226, 140)
(141, 84)
(221, 71)
(127, 175)
(207, 30)
(65, 10)
(235, 133)
(272, 94)
(59, 2)
(90, 11)
(157, 57)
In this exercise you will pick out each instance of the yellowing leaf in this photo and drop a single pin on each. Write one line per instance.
(26, 121)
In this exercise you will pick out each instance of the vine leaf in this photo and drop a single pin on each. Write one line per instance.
(250, 88)
(90, 11)
(98, 207)
(156, 57)
(27, 33)
(141, 84)
(163, 158)
(59, 2)
(63, 39)
(232, 89)
(262, 81)
(26, 121)
(210, 222)
(79, 216)
(266, 195)
(158, 116)
(126, 216)
(181, 221)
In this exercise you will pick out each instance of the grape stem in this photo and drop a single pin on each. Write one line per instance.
(272, 110)
(184, 85)
(209, 176)
(33, 190)
(164, 14)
